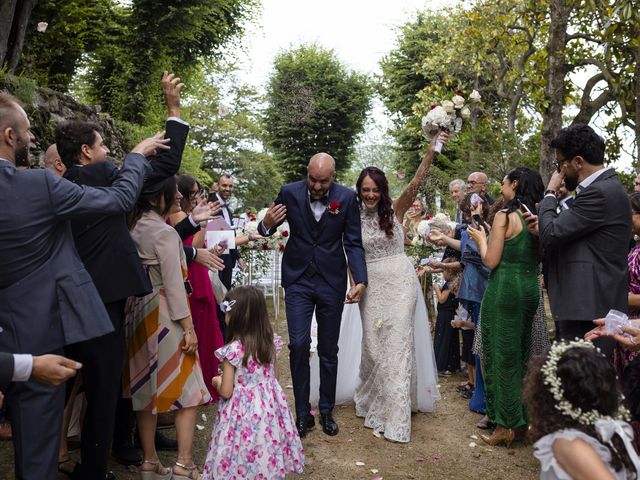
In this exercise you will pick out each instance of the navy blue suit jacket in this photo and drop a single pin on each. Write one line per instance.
(47, 297)
(325, 245)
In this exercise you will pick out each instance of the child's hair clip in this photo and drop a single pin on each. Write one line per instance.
(226, 305)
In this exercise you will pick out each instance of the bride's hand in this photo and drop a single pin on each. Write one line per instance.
(355, 293)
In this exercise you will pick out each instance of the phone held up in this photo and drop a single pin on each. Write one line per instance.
(212, 197)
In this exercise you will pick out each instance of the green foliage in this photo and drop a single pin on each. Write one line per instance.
(314, 105)
(231, 142)
(76, 28)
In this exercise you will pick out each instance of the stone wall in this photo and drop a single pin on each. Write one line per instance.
(46, 108)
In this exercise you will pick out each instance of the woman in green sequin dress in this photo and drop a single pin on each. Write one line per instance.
(509, 303)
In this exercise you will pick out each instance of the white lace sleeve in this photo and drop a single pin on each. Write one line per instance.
(543, 451)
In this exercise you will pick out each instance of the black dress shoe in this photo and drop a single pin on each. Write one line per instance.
(329, 426)
(126, 455)
(110, 476)
(305, 424)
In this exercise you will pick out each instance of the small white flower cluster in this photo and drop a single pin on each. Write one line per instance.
(551, 379)
(277, 241)
(449, 114)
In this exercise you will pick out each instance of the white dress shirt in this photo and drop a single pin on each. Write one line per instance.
(22, 367)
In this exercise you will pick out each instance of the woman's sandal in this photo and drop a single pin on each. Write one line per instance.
(193, 469)
(70, 468)
(158, 473)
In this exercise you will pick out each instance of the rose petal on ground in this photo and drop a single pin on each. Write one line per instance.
(435, 457)
(421, 458)
(359, 464)
(376, 478)
(289, 387)
(313, 412)
(199, 427)
(204, 417)
(475, 437)
(376, 434)
(472, 444)
(374, 470)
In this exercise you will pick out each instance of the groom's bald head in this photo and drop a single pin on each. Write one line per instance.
(321, 172)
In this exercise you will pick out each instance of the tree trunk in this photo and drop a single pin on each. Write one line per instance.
(7, 10)
(555, 76)
(18, 32)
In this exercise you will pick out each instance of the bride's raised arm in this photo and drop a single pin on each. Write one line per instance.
(410, 192)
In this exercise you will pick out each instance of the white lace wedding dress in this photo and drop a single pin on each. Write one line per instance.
(395, 377)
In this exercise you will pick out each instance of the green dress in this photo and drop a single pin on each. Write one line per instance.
(508, 307)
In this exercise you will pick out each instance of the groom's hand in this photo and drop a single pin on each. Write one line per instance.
(274, 216)
(355, 293)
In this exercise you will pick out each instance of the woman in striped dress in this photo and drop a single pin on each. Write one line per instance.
(164, 368)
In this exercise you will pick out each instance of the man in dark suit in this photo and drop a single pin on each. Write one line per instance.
(225, 190)
(110, 256)
(586, 245)
(324, 220)
(38, 257)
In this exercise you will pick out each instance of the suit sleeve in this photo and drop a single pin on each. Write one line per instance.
(68, 199)
(185, 228)
(167, 162)
(189, 253)
(6, 370)
(352, 241)
(261, 228)
(585, 215)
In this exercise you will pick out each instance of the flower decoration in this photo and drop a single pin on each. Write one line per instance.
(42, 27)
(550, 374)
(334, 208)
(449, 115)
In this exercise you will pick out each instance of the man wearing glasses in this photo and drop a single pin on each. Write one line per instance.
(478, 182)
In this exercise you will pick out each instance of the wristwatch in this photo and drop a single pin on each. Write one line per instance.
(552, 192)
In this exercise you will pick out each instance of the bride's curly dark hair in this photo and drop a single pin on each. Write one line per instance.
(385, 205)
(589, 383)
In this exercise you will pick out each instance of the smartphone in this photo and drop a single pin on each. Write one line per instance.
(212, 197)
(477, 220)
(525, 208)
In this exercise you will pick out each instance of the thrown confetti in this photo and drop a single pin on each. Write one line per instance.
(204, 417)
(376, 434)
(421, 458)
(435, 457)
(42, 27)
(475, 437)
(377, 478)
(374, 470)
(289, 386)
(360, 464)
(199, 427)
(313, 412)
(472, 444)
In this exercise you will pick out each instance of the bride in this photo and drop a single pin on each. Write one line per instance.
(397, 371)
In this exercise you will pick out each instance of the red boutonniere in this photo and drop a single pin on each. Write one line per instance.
(334, 208)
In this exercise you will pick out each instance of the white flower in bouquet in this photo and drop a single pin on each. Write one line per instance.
(448, 106)
(475, 97)
(458, 101)
(436, 119)
(250, 227)
(465, 113)
(417, 241)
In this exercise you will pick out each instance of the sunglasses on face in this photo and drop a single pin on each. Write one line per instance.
(226, 305)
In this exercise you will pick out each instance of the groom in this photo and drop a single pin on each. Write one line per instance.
(324, 220)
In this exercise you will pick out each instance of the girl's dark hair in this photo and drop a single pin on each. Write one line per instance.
(250, 324)
(456, 275)
(185, 187)
(529, 190)
(465, 205)
(150, 197)
(634, 199)
(385, 205)
(589, 383)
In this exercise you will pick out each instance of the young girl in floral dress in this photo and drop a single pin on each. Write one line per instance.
(254, 435)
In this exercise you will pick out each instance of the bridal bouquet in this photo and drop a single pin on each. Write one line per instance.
(449, 115)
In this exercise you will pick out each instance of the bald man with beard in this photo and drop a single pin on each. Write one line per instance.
(478, 182)
(324, 221)
(53, 162)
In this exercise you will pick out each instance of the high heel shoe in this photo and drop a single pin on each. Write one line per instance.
(158, 472)
(504, 435)
(193, 474)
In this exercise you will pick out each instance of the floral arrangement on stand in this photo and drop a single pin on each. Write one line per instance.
(277, 241)
(449, 115)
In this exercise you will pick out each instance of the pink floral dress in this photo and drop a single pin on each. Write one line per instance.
(254, 435)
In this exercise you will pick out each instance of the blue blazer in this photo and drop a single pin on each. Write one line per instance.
(47, 298)
(325, 245)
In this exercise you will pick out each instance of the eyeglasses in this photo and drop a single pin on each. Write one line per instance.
(197, 193)
(636, 183)
(226, 305)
